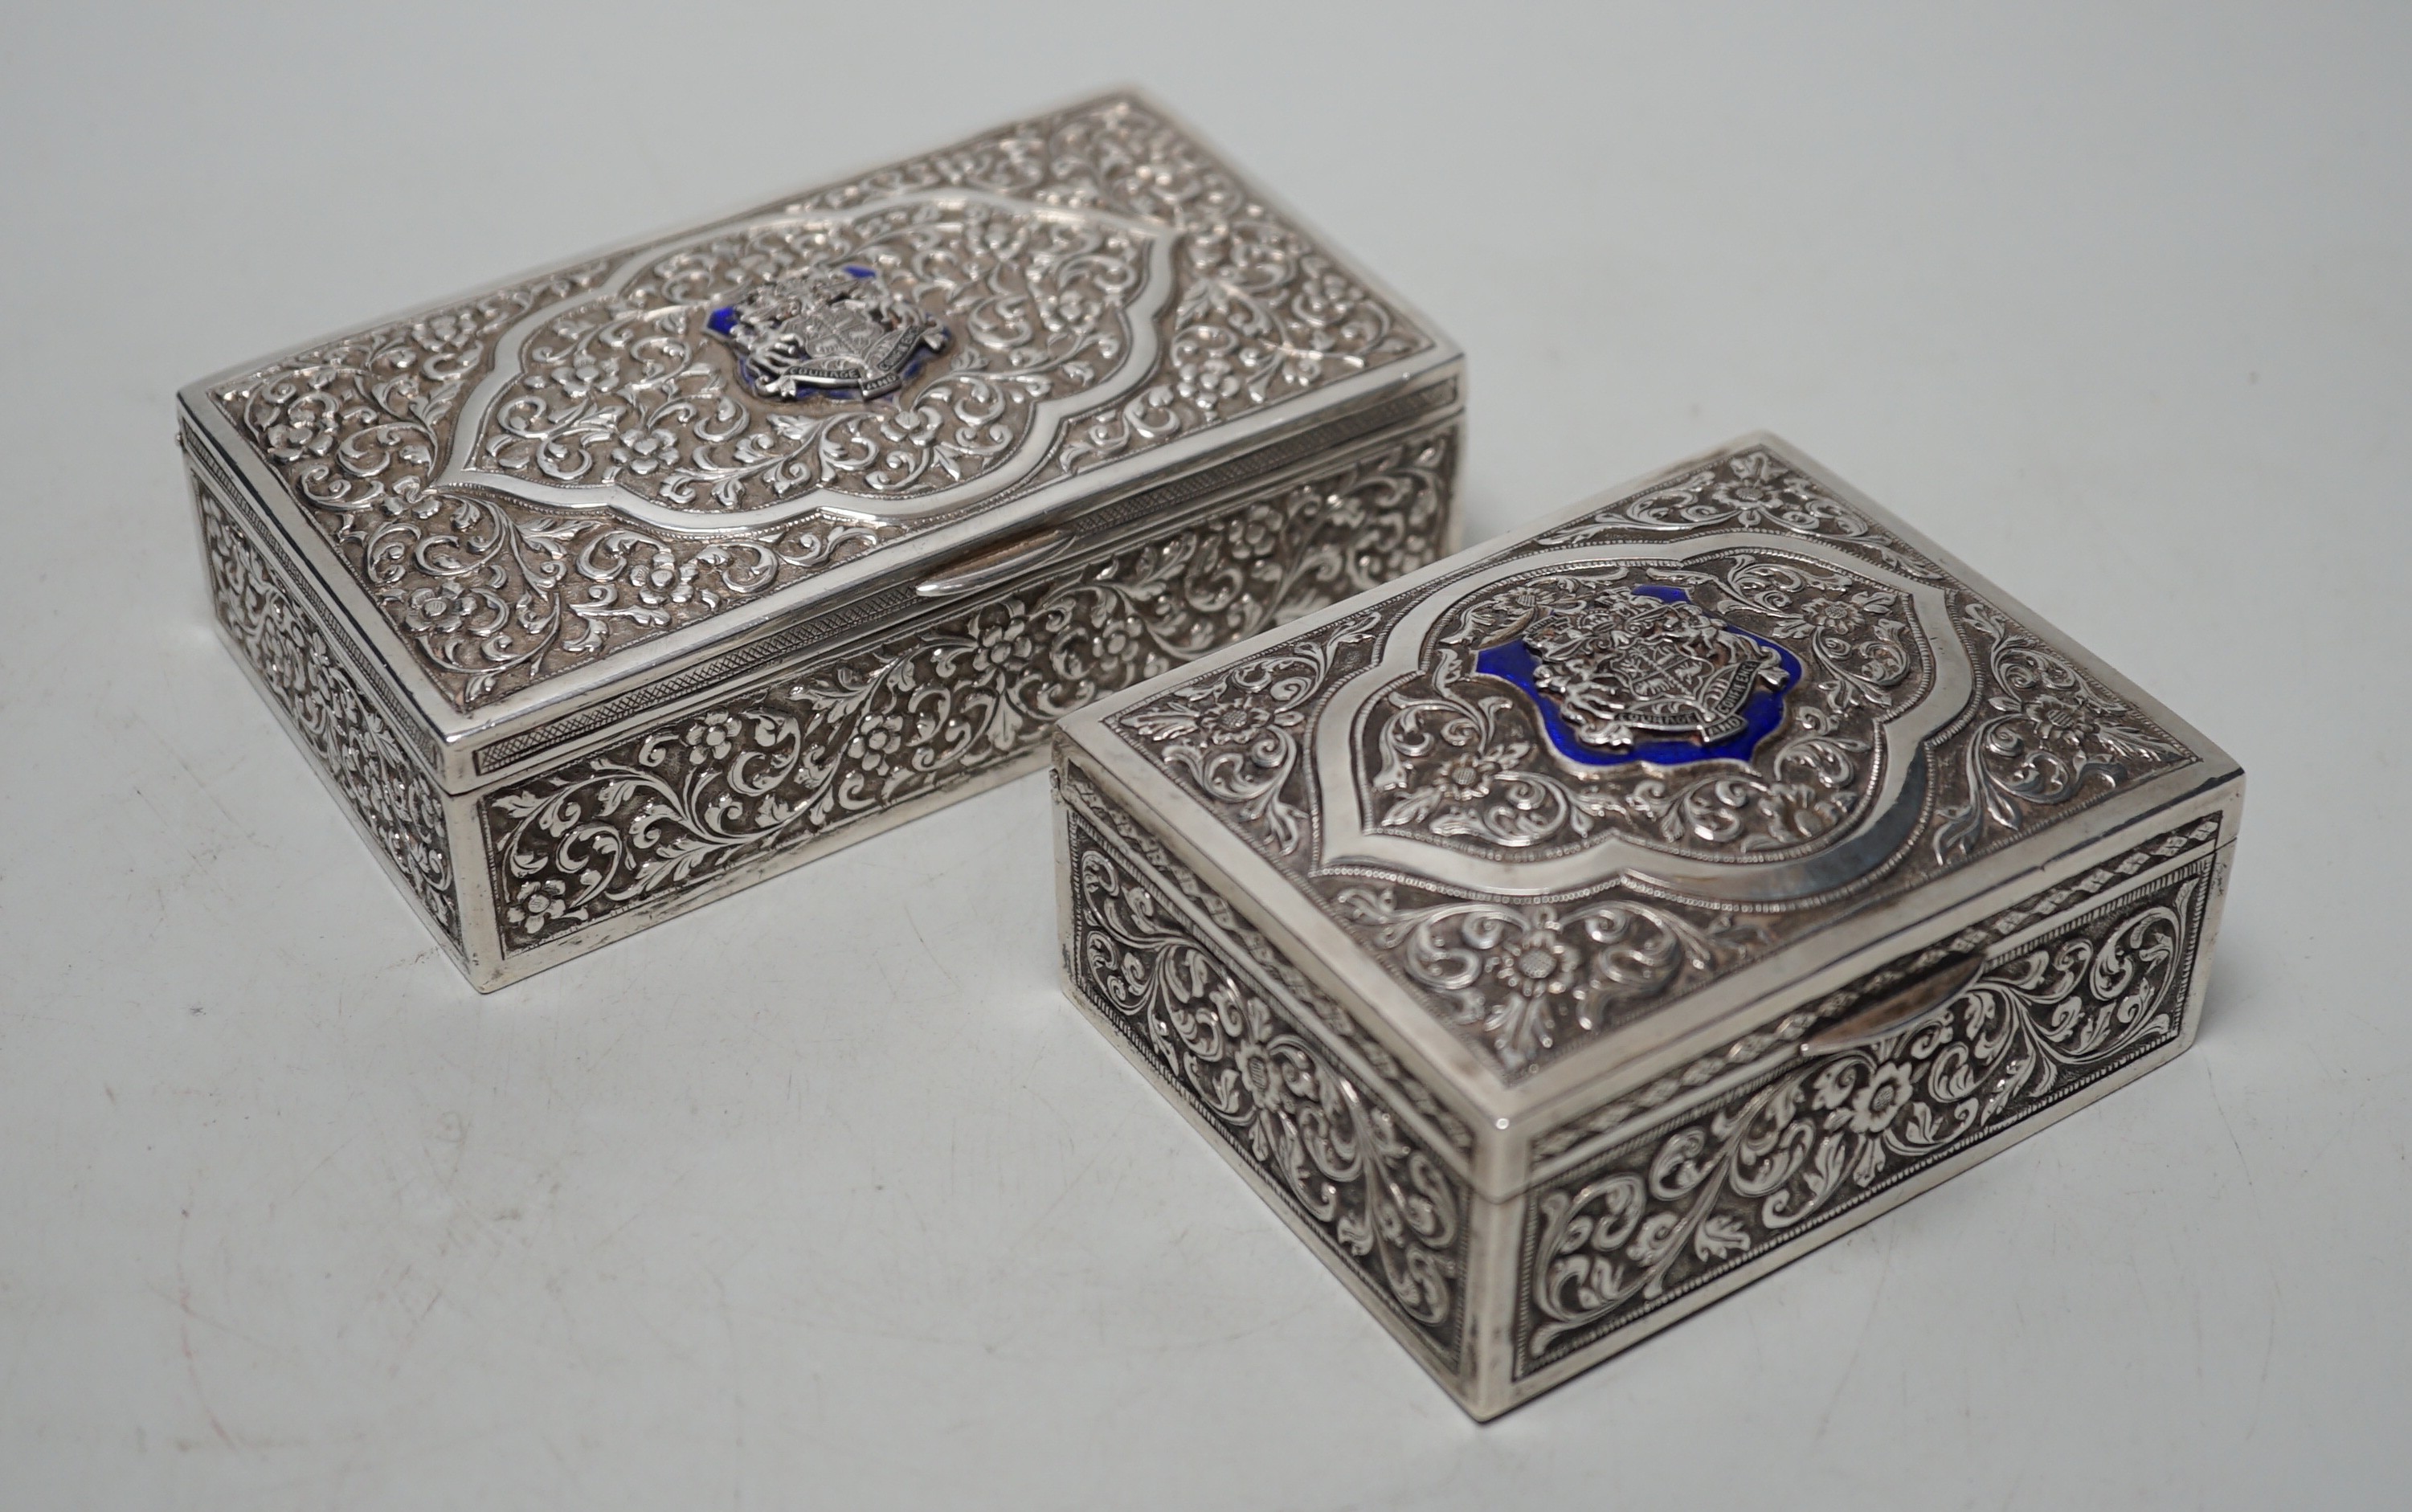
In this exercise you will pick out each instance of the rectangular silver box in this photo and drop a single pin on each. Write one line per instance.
(605, 592)
(1585, 926)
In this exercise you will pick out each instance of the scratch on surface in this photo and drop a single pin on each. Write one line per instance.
(311, 1175)
(2253, 1195)
(200, 784)
(1875, 1299)
(935, 957)
(185, 1334)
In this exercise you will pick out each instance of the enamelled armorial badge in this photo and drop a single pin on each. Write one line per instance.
(831, 332)
(1623, 669)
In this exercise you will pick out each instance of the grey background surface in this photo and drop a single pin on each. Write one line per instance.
(823, 1197)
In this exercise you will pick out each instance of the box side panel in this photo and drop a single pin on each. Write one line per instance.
(327, 701)
(1706, 1064)
(806, 757)
(1348, 1148)
(1158, 505)
(2087, 990)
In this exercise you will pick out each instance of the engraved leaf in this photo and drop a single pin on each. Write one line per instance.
(1917, 1124)
(519, 805)
(1595, 1280)
(1827, 1170)
(1657, 1236)
(1720, 1236)
(1411, 808)
(1870, 1163)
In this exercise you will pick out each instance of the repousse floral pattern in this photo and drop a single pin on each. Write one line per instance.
(1751, 489)
(2048, 734)
(1238, 734)
(1458, 757)
(350, 741)
(494, 594)
(635, 391)
(1628, 1106)
(1529, 978)
(1383, 1204)
(1261, 954)
(939, 704)
(1636, 1229)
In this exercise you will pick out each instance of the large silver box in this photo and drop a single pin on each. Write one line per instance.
(1585, 926)
(607, 591)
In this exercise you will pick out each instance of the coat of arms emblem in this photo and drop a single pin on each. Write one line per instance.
(832, 332)
(1643, 672)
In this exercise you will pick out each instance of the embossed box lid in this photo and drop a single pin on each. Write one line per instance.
(553, 506)
(1573, 821)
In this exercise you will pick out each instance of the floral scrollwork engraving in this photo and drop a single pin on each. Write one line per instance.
(1754, 490)
(494, 593)
(938, 706)
(1528, 978)
(339, 727)
(1263, 314)
(1264, 955)
(488, 588)
(1237, 735)
(1460, 755)
(2048, 732)
(1800, 1147)
(635, 391)
(362, 424)
(1384, 1204)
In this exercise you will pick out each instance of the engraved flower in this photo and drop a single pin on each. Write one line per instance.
(655, 572)
(2062, 721)
(1233, 724)
(917, 427)
(1538, 963)
(1002, 640)
(307, 430)
(582, 376)
(452, 331)
(1257, 532)
(1759, 487)
(878, 740)
(1467, 776)
(1159, 187)
(1203, 363)
(1207, 383)
(1254, 723)
(644, 453)
(1878, 1103)
(541, 904)
(1078, 308)
(1279, 1078)
(437, 609)
(718, 733)
(1258, 1072)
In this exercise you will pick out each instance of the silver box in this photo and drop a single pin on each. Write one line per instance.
(1580, 928)
(610, 590)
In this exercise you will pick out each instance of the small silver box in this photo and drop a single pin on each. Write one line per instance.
(1585, 926)
(613, 589)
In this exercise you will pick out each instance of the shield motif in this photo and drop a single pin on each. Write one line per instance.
(1626, 670)
(834, 333)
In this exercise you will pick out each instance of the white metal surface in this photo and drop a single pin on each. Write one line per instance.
(296, 1219)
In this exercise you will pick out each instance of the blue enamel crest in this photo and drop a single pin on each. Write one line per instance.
(1514, 662)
